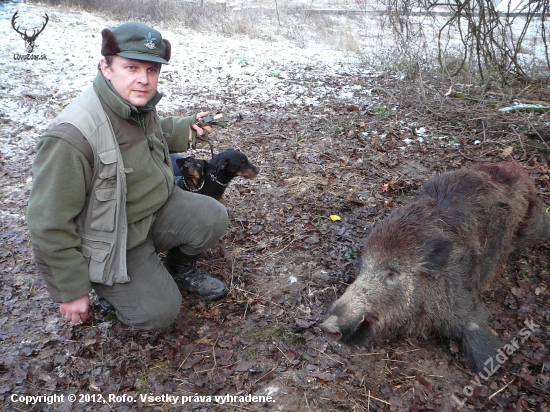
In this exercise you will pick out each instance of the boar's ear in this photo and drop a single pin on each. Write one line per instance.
(436, 255)
(368, 230)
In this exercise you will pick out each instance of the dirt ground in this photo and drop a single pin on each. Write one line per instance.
(285, 261)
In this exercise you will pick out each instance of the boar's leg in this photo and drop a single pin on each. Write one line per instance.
(480, 347)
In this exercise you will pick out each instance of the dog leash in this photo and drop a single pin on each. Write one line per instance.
(210, 120)
(204, 138)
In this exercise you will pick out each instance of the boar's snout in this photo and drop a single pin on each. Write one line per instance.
(331, 329)
(349, 329)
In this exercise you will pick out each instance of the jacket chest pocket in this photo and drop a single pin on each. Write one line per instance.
(105, 193)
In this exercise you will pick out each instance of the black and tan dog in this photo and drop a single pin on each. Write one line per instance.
(203, 177)
(191, 173)
(229, 164)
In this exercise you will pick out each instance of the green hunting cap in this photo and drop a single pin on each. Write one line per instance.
(135, 41)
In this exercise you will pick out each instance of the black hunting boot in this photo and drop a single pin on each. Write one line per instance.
(106, 306)
(187, 276)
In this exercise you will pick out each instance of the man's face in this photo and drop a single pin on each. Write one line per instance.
(134, 80)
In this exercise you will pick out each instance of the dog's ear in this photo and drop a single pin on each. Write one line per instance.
(204, 165)
(222, 165)
(180, 162)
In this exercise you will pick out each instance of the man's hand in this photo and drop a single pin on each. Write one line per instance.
(76, 309)
(199, 130)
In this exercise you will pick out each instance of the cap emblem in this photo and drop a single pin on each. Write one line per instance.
(149, 42)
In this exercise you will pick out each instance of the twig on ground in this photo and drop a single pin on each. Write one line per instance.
(501, 389)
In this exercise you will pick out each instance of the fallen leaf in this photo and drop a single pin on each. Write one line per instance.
(507, 152)
(243, 366)
(205, 340)
(89, 341)
(324, 376)
(304, 324)
(424, 382)
(209, 314)
(313, 239)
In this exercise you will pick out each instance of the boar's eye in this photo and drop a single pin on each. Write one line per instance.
(391, 276)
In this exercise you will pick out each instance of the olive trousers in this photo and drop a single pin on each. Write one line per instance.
(151, 300)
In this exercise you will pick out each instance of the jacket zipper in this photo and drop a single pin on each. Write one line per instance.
(144, 130)
(141, 120)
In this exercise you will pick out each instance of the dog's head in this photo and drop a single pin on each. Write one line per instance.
(235, 163)
(193, 170)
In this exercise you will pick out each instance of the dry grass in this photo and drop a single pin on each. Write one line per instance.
(398, 39)
(297, 25)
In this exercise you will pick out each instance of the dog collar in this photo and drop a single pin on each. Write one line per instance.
(216, 180)
(192, 190)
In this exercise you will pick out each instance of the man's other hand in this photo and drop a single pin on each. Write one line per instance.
(76, 309)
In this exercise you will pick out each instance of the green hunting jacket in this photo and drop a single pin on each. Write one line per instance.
(63, 170)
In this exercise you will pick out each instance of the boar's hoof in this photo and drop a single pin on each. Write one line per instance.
(480, 348)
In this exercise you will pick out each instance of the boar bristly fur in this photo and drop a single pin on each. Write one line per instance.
(423, 267)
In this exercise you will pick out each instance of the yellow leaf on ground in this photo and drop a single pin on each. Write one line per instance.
(507, 152)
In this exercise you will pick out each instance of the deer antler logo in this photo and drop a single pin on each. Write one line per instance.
(29, 40)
